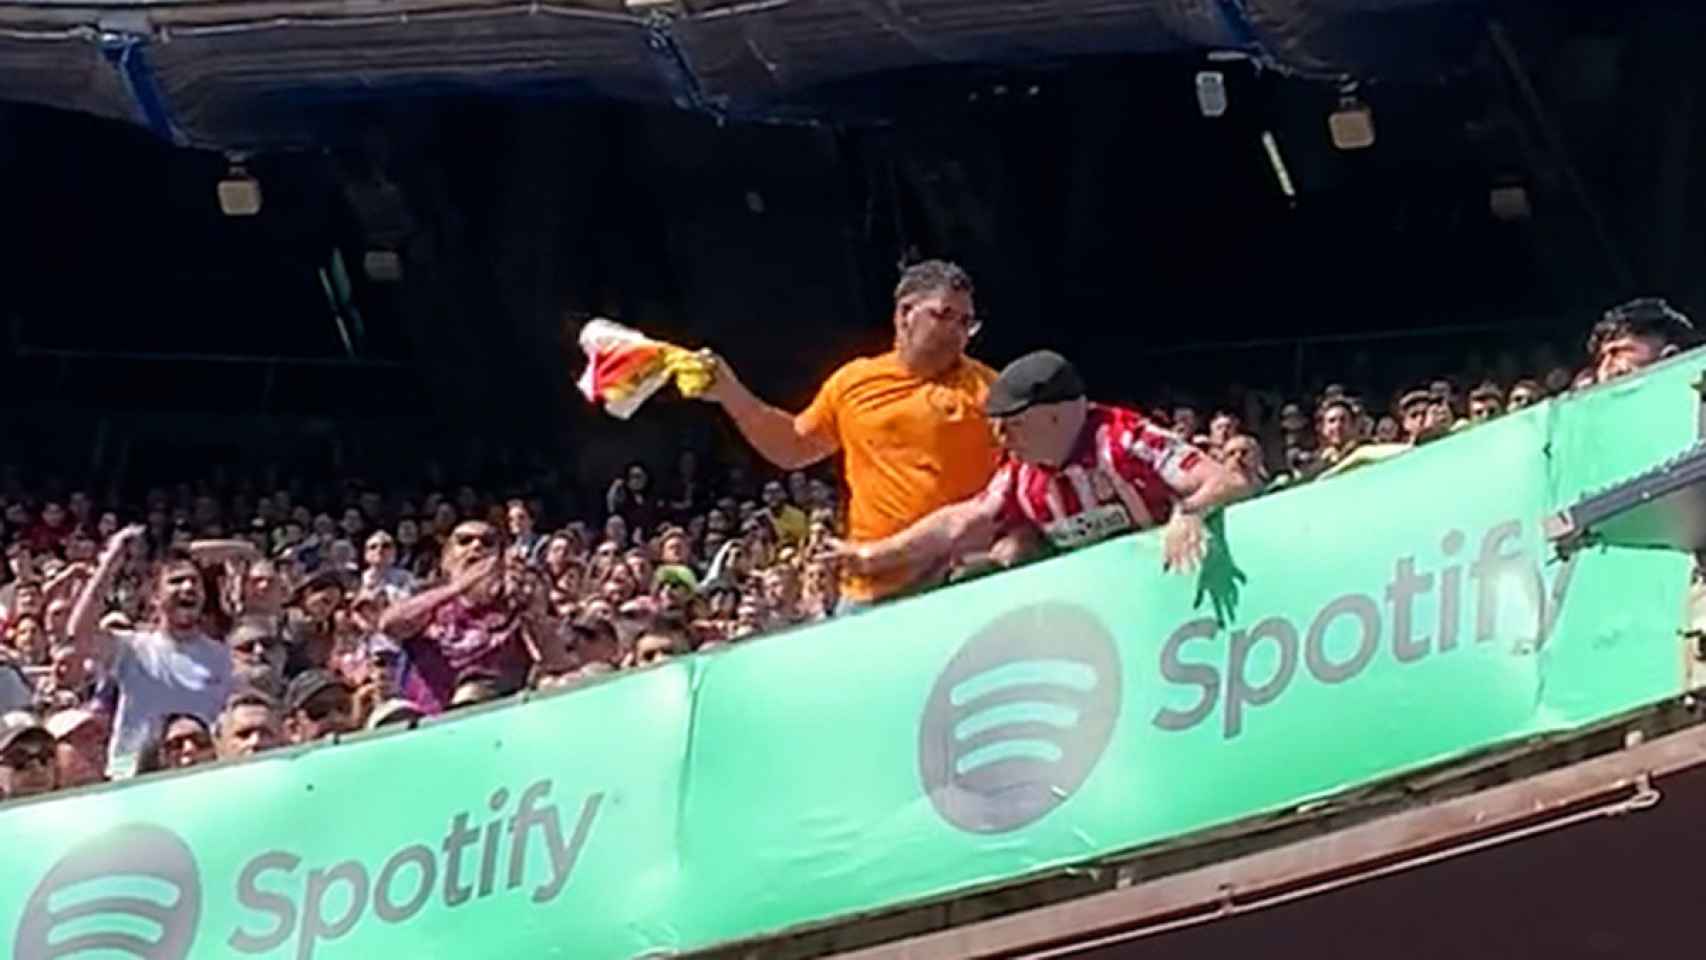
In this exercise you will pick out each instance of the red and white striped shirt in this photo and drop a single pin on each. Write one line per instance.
(1124, 473)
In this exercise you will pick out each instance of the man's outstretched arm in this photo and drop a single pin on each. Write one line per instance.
(774, 433)
(958, 528)
(1208, 484)
(84, 627)
(1203, 486)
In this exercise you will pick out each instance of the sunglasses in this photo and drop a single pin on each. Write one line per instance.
(198, 740)
(469, 539)
(320, 707)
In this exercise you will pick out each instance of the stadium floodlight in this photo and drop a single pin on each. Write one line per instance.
(1211, 93)
(239, 192)
(1510, 203)
(383, 266)
(1352, 124)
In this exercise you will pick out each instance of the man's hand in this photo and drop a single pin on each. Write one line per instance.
(119, 542)
(852, 557)
(1184, 543)
(724, 383)
(479, 574)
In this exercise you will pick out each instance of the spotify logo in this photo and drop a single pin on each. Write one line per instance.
(1019, 717)
(130, 892)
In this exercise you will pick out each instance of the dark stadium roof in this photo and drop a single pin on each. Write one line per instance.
(246, 72)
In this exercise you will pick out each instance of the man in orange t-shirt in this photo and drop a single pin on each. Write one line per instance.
(909, 423)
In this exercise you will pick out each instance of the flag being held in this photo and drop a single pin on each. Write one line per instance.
(624, 367)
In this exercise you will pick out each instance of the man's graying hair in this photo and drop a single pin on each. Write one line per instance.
(930, 276)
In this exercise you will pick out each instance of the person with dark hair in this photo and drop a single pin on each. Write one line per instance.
(630, 497)
(310, 630)
(173, 668)
(317, 704)
(1413, 414)
(1637, 334)
(248, 725)
(179, 740)
(1339, 430)
(909, 423)
(476, 618)
(381, 573)
(1486, 402)
(666, 638)
(1222, 427)
(1525, 393)
(525, 542)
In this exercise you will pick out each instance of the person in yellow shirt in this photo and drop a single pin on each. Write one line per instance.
(791, 523)
(909, 423)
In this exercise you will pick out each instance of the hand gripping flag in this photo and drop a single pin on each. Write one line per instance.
(625, 367)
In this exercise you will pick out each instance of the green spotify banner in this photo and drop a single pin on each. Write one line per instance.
(1342, 632)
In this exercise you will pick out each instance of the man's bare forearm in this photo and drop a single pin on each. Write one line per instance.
(928, 542)
(85, 623)
(409, 617)
(771, 432)
(1218, 486)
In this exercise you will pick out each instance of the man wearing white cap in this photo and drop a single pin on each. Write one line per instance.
(394, 712)
(80, 747)
(26, 757)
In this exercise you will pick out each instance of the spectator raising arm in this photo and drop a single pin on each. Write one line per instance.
(92, 642)
(774, 433)
(409, 617)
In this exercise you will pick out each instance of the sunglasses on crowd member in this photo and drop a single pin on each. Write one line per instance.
(469, 539)
(196, 738)
(25, 756)
(320, 708)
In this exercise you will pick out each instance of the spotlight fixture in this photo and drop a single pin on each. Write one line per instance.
(239, 192)
(382, 266)
(1352, 125)
(1211, 93)
(1509, 203)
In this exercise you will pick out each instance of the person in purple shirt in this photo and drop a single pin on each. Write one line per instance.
(481, 616)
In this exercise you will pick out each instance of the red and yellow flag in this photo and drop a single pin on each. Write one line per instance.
(625, 367)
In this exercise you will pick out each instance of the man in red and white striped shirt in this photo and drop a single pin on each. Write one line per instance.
(1075, 471)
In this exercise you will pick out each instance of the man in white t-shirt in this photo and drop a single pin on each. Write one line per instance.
(172, 668)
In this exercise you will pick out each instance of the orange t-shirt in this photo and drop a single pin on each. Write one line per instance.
(911, 446)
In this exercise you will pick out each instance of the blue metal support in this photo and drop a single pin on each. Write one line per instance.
(1236, 17)
(684, 87)
(127, 53)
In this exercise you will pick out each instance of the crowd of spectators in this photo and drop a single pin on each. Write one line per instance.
(219, 618)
